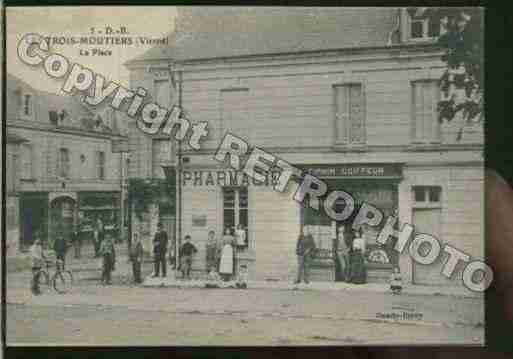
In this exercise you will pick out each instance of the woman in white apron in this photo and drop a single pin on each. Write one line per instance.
(226, 264)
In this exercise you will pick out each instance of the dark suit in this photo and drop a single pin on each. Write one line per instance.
(136, 254)
(159, 252)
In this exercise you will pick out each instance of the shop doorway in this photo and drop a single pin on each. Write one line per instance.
(428, 220)
(33, 218)
(63, 212)
(329, 234)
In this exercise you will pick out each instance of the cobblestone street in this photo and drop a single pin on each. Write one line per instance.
(123, 314)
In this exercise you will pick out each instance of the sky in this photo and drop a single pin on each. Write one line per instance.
(146, 21)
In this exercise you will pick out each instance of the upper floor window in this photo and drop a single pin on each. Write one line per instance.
(425, 125)
(234, 112)
(26, 161)
(427, 196)
(422, 27)
(349, 113)
(11, 173)
(54, 117)
(27, 105)
(100, 165)
(162, 92)
(63, 163)
(161, 154)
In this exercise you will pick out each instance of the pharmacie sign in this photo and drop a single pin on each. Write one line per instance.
(224, 178)
(382, 170)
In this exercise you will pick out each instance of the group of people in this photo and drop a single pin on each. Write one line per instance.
(221, 259)
(349, 256)
(60, 247)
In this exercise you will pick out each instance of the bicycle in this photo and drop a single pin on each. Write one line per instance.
(62, 280)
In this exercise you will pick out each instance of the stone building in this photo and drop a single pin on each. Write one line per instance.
(349, 93)
(65, 169)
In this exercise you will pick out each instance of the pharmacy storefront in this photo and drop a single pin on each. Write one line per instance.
(217, 198)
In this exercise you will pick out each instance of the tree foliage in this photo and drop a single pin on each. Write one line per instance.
(146, 191)
(462, 83)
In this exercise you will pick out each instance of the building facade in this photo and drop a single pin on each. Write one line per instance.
(66, 173)
(348, 94)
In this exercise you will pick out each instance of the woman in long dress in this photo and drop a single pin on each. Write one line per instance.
(358, 270)
(226, 264)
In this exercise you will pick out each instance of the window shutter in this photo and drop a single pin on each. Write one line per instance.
(97, 163)
(417, 111)
(341, 112)
(58, 163)
(67, 163)
(356, 114)
(434, 113)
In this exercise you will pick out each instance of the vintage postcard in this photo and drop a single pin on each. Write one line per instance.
(231, 176)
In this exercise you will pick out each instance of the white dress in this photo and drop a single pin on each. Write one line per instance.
(226, 265)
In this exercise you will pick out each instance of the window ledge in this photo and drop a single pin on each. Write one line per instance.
(432, 205)
(428, 146)
(422, 40)
(341, 147)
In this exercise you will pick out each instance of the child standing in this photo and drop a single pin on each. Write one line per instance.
(242, 278)
(213, 278)
(396, 283)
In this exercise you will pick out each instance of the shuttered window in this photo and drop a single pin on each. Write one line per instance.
(425, 126)
(234, 112)
(350, 114)
(100, 165)
(161, 154)
(63, 163)
(162, 92)
(26, 161)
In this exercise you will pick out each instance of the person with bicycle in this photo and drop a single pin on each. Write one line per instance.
(60, 247)
(38, 258)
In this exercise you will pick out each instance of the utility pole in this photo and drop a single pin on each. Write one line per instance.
(122, 201)
(179, 180)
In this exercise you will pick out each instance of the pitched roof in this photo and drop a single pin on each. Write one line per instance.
(79, 115)
(213, 32)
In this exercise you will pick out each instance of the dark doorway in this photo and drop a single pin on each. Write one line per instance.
(33, 218)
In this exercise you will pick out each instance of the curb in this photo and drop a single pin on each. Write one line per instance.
(360, 288)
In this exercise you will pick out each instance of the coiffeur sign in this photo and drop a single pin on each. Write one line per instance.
(381, 170)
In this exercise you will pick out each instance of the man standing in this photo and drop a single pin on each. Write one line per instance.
(136, 255)
(108, 254)
(186, 253)
(211, 252)
(76, 239)
(99, 235)
(159, 250)
(60, 246)
(304, 250)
